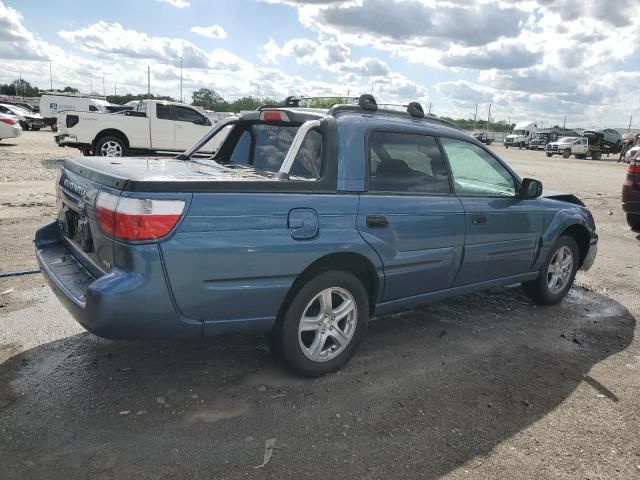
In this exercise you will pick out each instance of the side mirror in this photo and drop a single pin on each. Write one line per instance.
(530, 188)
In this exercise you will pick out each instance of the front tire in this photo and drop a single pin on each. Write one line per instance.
(324, 323)
(110, 147)
(549, 155)
(566, 154)
(556, 275)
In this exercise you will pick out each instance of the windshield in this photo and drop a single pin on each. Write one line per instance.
(518, 132)
(566, 140)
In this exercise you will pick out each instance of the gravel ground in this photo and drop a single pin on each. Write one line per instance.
(486, 386)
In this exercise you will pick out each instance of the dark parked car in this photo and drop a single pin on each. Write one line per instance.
(304, 224)
(631, 193)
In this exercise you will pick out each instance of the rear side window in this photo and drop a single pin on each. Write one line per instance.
(163, 112)
(406, 163)
(93, 108)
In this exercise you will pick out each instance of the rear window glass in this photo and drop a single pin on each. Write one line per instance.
(265, 146)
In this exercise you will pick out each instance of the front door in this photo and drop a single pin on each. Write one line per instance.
(502, 231)
(409, 216)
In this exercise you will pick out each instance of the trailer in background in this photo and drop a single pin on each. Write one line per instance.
(53, 103)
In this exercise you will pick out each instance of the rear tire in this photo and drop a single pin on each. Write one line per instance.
(633, 219)
(110, 146)
(596, 155)
(24, 126)
(315, 336)
(556, 274)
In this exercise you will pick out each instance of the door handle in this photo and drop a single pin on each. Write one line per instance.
(478, 219)
(377, 221)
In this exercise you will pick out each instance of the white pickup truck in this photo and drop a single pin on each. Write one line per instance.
(151, 126)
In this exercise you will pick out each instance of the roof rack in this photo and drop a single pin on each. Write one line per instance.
(367, 103)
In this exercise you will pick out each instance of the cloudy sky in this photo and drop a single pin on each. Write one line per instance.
(531, 59)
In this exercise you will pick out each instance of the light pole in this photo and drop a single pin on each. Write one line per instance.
(181, 101)
(50, 76)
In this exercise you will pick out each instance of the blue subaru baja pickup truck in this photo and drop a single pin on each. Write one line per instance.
(304, 224)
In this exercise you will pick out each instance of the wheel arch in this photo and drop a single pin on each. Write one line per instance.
(581, 235)
(354, 263)
(110, 132)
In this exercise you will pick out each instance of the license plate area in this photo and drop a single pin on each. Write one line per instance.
(76, 227)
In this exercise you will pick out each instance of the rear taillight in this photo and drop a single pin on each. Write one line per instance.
(634, 165)
(137, 219)
(8, 121)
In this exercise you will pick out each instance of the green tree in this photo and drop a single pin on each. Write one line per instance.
(69, 89)
(208, 99)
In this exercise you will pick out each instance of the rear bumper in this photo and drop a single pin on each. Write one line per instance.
(119, 304)
(66, 140)
(12, 131)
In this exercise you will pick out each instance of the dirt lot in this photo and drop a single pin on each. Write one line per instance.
(487, 386)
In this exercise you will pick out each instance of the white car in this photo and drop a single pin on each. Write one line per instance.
(27, 119)
(152, 126)
(9, 126)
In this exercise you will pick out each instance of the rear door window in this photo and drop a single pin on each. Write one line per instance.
(406, 163)
(163, 112)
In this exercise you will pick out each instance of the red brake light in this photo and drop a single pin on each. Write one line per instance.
(8, 121)
(274, 116)
(136, 219)
(634, 167)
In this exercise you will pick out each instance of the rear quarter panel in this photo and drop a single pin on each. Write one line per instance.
(233, 259)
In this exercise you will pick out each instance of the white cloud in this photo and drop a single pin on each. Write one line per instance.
(214, 31)
(176, 3)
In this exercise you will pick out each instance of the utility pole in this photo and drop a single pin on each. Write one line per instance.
(148, 82)
(181, 101)
(50, 76)
(475, 118)
(429, 108)
(564, 124)
(489, 118)
(20, 86)
(104, 91)
(91, 84)
(115, 89)
(630, 119)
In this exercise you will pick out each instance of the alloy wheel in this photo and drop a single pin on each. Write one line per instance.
(328, 324)
(560, 270)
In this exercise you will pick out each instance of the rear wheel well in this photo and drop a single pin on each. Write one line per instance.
(353, 263)
(110, 132)
(582, 237)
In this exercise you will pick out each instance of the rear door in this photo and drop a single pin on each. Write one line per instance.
(190, 126)
(409, 215)
(163, 128)
(502, 231)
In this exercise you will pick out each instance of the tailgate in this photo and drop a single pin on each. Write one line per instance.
(76, 198)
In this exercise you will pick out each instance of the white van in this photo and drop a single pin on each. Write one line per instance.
(52, 104)
(522, 134)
